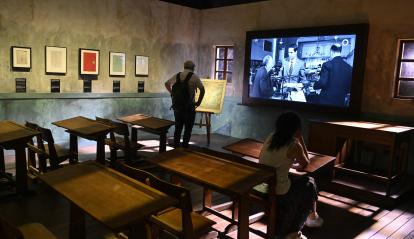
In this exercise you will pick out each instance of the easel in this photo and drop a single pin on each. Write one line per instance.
(207, 122)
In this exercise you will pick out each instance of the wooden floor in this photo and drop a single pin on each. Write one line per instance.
(344, 217)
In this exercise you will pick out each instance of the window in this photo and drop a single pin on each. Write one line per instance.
(404, 79)
(223, 67)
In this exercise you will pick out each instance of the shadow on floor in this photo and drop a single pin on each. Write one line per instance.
(335, 218)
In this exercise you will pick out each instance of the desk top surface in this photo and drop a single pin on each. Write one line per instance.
(391, 128)
(252, 148)
(212, 171)
(12, 131)
(147, 121)
(83, 126)
(107, 195)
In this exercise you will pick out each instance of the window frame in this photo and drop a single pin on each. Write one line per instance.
(397, 77)
(225, 59)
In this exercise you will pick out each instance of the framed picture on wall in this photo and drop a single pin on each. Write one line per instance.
(88, 62)
(116, 64)
(55, 60)
(141, 65)
(21, 57)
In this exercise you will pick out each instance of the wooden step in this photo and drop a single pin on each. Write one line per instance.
(366, 190)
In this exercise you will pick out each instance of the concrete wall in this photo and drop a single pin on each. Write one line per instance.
(170, 34)
(167, 33)
(44, 109)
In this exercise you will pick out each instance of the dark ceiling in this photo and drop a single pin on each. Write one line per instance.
(205, 4)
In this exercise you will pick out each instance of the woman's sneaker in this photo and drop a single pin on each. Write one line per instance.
(296, 235)
(314, 222)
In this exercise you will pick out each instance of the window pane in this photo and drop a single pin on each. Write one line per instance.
(230, 66)
(230, 53)
(406, 88)
(407, 70)
(229, 77)
(220, 65)
(220, 53)
(408, 51)
(220, 75)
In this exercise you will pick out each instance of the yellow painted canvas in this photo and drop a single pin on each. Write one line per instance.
(214, 97)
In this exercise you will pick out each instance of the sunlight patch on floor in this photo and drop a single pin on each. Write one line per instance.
(350, 205)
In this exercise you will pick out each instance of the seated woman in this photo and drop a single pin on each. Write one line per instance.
(296, 196)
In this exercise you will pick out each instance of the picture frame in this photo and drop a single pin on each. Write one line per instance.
(116, 64)
(55, 60)
(21, 58)
(88, 62)
(141, 65)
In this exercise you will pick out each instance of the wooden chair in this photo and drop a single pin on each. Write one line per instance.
(54, 152)
(45, 148)
(35, 167)
(180, 221)
(26, 231)
(255, 197)
(119, 140)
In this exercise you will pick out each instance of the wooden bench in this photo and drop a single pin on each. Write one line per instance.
(181, 221)
(148, 124)
(119, 140)
(26, 231)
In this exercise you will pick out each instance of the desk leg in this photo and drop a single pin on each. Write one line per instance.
(134, 145)
(138, 231)
(271, 220)
(73, 146)
(235, 211)
(2, 163)
(208, 126)
(21, 169)
(243, 222)
(393, 155)
(77, 223)
(163, 142)
(100, 150)
(134, 137)
(207, 198)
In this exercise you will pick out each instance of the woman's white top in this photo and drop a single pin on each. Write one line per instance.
(278, 159)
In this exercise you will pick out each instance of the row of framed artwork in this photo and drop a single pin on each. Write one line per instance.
(56, 61)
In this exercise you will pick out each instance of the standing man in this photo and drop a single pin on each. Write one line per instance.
(262, 84)
(182, 88)
(293, 67)
(335, 79)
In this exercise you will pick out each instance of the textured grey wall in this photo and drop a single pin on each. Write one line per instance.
(170, 34)
(167, 33)
(45, 110)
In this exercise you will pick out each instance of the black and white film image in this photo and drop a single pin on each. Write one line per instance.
(311, 69)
